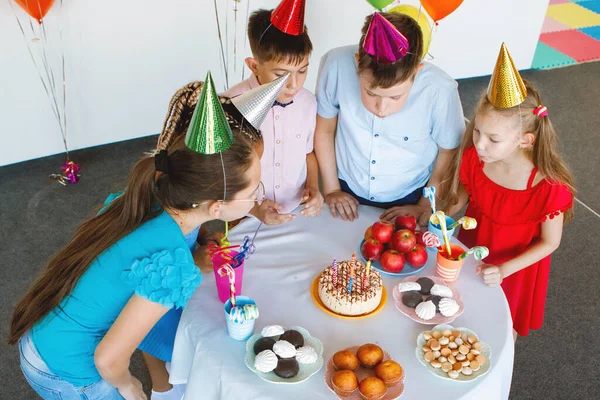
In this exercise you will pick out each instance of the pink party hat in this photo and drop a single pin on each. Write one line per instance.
(384, 41)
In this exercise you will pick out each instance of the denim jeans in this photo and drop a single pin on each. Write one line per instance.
(52, 387)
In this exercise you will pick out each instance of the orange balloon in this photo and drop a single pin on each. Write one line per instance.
(439, 9)
(36, 8)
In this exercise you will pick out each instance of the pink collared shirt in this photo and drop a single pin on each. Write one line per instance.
(288, 134)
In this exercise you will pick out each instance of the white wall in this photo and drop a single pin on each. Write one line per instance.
(126, 58)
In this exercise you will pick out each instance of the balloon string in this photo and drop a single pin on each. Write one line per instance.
(246, 36)
(224, 62)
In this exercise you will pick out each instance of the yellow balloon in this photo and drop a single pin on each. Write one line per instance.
(421, 18)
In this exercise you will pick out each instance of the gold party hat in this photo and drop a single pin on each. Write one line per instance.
(506, 88)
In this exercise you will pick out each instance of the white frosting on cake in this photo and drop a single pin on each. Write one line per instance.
(360, 300)
(265, 361)
(284, 349)
(272, 330)
(448, 307)
(426, 310)
(306, 355)
(441, 290)
(408, 286)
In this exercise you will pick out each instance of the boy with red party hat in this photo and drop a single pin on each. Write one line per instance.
(281, 46)
(388, 123)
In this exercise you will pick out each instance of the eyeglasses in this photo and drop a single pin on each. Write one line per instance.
(258, 196)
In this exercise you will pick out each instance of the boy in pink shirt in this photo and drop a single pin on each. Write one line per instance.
(289, 166)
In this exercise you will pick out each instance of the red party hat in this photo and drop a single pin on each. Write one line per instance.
(288, 17)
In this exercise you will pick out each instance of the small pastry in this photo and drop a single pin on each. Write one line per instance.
(265, 361)
(452, 338)
(441, 290)
(456, 333)
(463, 349)
(426, 285)
(453, 374)
(460, 357)
(448, 307)
(345, 359)
(464, 336)
(436, 354)
(429, 356)
(284, 349)
(344, 382)
(444, 341)
(478, 346)
(471, 339)
(467, 371)
(436, 364)
(427, 335)
(426, 348)
(465, 363)
(475, 352)
(372, 388)
(470, 356)
(434, 345)
(452, 345)
(457, 367)
(411, 299)
(454, 352)
(272, 330)
(452, 359)
(294, 337)
(369, 355)
(474, 365)
(446, 352)
(426, 310)
(262, 344)
(389, 372)
(446, 367)
(435, 300)
(306, 355)
(436, 335)
(442, 359)
(287, 368)
(481, 359)
(447, 333)
(458, 341)
(408, 286)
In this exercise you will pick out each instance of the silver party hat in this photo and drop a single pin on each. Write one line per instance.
(256, 103)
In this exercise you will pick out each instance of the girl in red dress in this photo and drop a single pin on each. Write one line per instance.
(520, 191)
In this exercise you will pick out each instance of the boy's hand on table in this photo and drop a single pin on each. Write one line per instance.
(343, 205)
(421, 214)
(269, 213)
(313, 202)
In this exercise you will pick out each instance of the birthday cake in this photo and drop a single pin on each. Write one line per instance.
(345, 298)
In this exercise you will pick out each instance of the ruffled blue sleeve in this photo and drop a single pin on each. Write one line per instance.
(168, 277)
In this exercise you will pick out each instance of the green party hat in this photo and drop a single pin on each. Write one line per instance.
(209, 131)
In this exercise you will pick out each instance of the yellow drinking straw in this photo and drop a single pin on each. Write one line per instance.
(442, 221)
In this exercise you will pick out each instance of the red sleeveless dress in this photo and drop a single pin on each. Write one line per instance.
(508, 222)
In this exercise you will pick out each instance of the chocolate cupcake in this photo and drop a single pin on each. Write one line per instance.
(426, 285)
(294, 337)
(287, 368)
(263, 344)
(412, 299)
(435, 300)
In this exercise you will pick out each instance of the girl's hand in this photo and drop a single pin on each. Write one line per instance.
(313, 200)
(133, 390)
(492, 275)
(269, 213)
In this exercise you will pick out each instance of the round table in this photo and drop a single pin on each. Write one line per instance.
(278, 277)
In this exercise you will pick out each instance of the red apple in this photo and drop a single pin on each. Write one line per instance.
(382, 231)
(417, 256)
(371, 249)
(392, 261)
(419, 236)
(403, 241)
(406, 222)
(368, 233)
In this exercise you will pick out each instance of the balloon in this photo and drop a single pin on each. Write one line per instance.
(440, 9)
(380, 4)
(414, 12)
(36, 8)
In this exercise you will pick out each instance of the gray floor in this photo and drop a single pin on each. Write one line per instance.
(554, 363)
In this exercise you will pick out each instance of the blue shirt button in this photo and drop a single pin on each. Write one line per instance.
(373, 162)
(405, 138)
(372, 178)
(372, 198)
(377, 135)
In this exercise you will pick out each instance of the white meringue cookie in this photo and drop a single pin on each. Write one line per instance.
(306, 355)
(441, 290)
(284, 349)
(448, 307)
(272, 330)
(265, 361)
(426, 310)
(408, 286)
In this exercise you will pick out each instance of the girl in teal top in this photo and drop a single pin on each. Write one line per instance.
(124, 269)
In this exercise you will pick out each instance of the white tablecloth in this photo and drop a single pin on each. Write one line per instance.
(278, 277)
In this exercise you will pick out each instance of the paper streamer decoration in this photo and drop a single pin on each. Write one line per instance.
(430, 239)
(467, 223)
(478, 252)
(250, 311)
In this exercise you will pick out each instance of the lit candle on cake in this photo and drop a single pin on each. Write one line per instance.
(334, 267)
